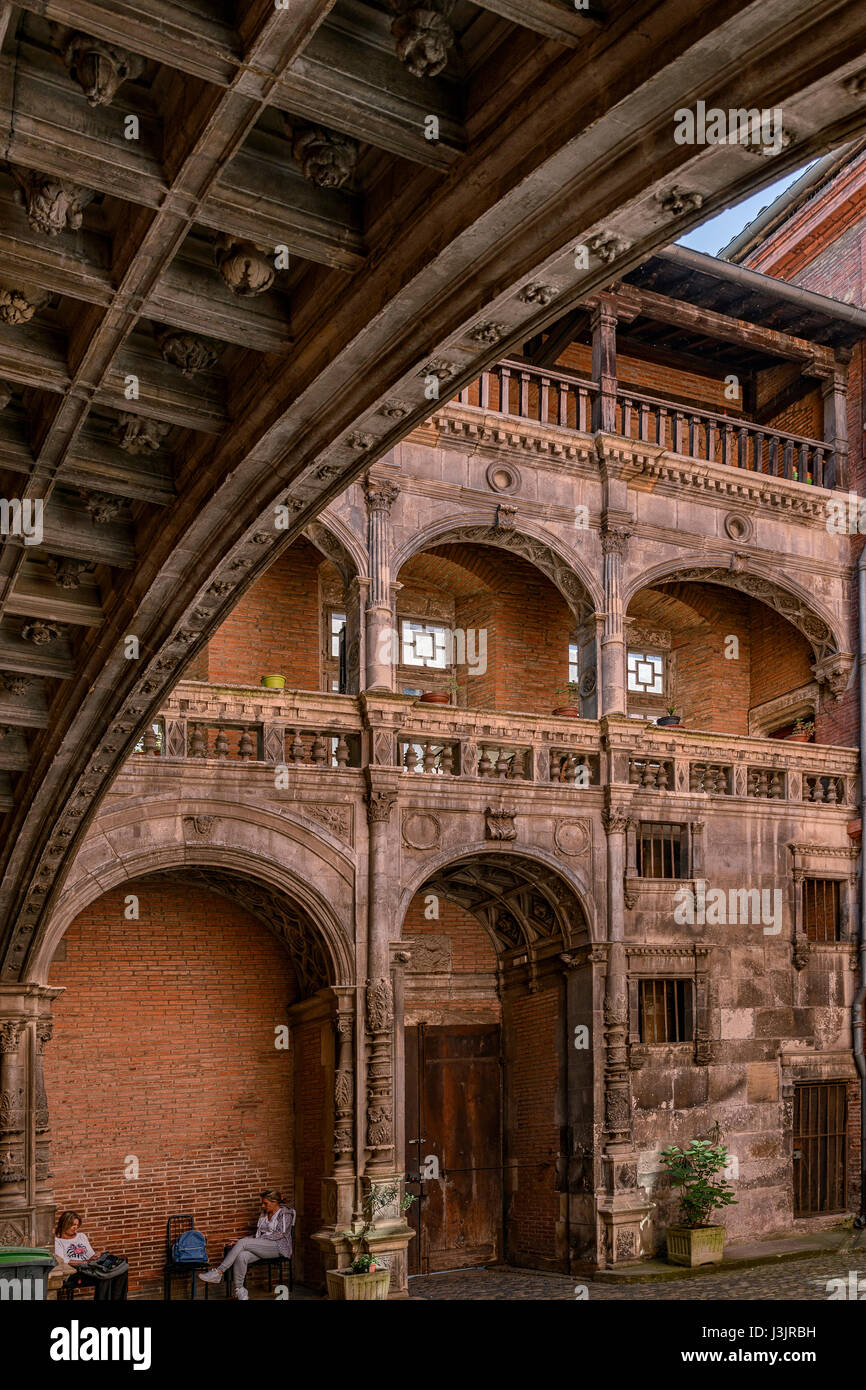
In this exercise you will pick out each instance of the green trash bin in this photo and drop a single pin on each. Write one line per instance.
(24, 1272)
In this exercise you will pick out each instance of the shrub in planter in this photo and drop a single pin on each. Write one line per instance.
(802, 731)
(669, 720)
(571, 691)
(368, 1276)
(696, 1241)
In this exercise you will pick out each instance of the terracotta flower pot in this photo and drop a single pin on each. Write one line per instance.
(274, 682)
(344, 1286)
(695, 1245)
(568, 711)
(799, 737)
(435, 697)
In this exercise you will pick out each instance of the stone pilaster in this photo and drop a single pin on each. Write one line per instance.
(622, 1205)
(26, 1202)
(379, 617)
(614, 541)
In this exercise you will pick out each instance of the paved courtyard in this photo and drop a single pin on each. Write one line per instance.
(804, 1280)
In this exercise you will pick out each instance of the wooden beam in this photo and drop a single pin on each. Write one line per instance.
(680, 314)
(560, 337)
(36, 596)
(556, 19)
(342, 79)
(26, 659)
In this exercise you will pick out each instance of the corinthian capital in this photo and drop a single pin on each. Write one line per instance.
(381, 494)
(614, 540)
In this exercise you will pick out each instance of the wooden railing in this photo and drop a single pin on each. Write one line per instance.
(725, 439)
(547, 397)
(527, 393)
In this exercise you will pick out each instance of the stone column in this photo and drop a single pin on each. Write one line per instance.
(622, 1205)
(379, 617)
(26, 1202)
(834, 389)
(339, 1186)
(603, 325)
(614, 540)
(383, 1181)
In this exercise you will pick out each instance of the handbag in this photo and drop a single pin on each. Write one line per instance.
(107, 1266)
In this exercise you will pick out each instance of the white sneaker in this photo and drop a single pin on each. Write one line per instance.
(241, 1293)
(212, 1276)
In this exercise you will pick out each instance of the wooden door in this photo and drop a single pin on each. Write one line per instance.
(820, 1147)
(453, 1116)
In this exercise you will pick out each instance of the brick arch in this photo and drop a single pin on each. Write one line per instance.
(276, 887)
(559, 564)
(566, 892)
(788, 598)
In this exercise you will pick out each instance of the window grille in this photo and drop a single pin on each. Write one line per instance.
(821, 909)
(666, 1011)
(661, 851)
(645, 673)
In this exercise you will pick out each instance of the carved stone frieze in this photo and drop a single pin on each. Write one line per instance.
(429, 954)
(538, 294)
(679, 200)
(336, 817)
(380, 1006)
(421, 830)
(607, 246)
(573, 836)
(201, 826)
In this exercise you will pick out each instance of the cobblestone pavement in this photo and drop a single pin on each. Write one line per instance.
(792, 1279)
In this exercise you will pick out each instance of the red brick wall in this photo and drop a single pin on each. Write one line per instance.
(533, 1042)
(472, 950)
(275, 628)
(164, 1049)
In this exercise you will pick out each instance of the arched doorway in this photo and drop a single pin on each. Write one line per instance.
(491, 1142)
(192, 1063)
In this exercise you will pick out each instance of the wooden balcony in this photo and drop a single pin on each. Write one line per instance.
(566, 401)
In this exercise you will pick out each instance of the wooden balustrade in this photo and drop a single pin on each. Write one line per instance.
(548, 397)
(719, 438)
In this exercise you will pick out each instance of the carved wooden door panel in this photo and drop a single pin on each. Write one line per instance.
(454, 1145)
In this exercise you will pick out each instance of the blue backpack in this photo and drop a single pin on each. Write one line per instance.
(190, 1248)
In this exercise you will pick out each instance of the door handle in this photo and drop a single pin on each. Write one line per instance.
(798, 1153)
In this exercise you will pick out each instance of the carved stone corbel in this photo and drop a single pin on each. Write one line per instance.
(99, 68)
(326, 157)
(53, 205)
(424, 34)
(245, 266)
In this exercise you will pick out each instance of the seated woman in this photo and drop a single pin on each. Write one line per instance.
(72, 1247)
(273, 1238)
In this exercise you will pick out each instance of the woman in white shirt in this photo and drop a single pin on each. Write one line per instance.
(72, 1247)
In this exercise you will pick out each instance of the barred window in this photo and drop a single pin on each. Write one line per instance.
(666, 1011)
(821, 909)
(424, 644)
(661, 851)
(645, 673)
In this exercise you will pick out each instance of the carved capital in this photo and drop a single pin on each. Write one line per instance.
(10, 1034)
(615, 820)
(380, 804)
(614, 540)
(381, 494)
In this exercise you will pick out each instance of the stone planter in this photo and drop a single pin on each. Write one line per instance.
(274, 682)
(695, 1245)
(343, 1285)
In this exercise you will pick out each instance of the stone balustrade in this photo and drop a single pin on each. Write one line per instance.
(334, 733)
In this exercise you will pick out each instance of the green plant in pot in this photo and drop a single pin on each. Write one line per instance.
(369, 1275)
(696, 1240)
(802, 731)
(669, 720)
(571, 692)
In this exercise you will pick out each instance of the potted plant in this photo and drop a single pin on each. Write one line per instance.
(802, 731)
(274, 682)
(669, 720)
(696, 1241)
(368, 1276)
(571, 691)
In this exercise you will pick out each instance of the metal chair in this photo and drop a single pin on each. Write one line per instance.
(175, 1226)
(278, 1260)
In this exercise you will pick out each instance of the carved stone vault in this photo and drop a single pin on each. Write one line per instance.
(518, 900)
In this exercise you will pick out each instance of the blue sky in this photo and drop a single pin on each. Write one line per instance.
(711, 236)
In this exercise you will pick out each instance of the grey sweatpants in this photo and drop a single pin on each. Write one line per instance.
(244, 1253)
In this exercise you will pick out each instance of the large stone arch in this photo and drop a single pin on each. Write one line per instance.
(821, 628)
(569, 574)
(333, 539)
(218, 840)
(567, 893)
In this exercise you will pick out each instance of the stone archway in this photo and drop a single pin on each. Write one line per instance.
(488, 1069)
(563, 568)
(826, 636)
